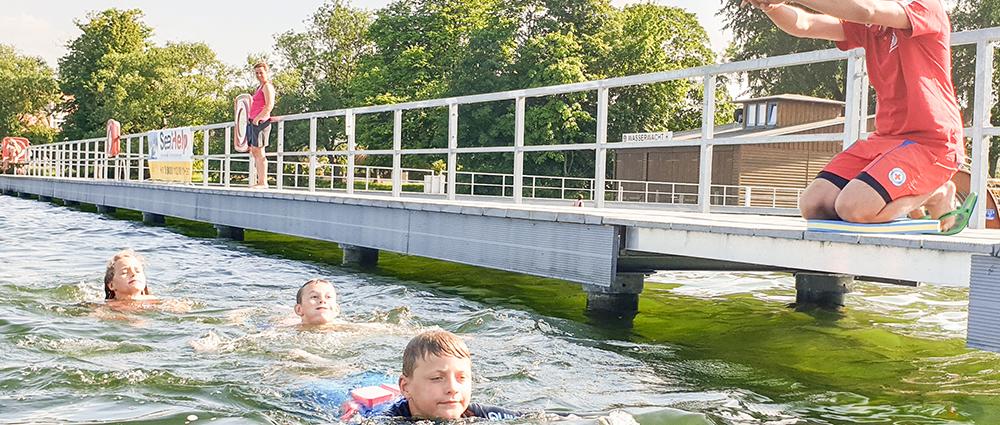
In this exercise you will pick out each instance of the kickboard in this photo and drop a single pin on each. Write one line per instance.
(898, 227)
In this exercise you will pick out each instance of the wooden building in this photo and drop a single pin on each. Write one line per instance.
(772, 165)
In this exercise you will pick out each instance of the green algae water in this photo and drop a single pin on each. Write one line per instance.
(706, 348)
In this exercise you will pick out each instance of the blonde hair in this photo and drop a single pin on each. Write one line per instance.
(260, 64)
(433, 343)
(109, 273)
(302, 289)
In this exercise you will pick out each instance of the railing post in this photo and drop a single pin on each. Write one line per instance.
(707, 149)
(980, 120)
(204, 161)
(747, 196)
(312, 156)
(351, 145)
(601, 152)
(142, 171)
(128, 160)
(519, 150)
(853, 98)
(280, 171)
(397, 155)
(452, 146)
(227, 162)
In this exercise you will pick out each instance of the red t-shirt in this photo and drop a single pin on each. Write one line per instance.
(911, 73)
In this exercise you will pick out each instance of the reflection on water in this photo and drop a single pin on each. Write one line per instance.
(705, 348)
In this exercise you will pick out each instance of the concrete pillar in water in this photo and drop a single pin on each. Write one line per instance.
(44, 198)
(25, 195)
(153, 219)
(229, 232)
(69, 203)
(619, 301)
(359, 256)
(106, 209)
(823, 290)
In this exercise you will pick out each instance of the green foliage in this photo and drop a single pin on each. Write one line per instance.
(28, 96)
(113, 71)
(755, 36)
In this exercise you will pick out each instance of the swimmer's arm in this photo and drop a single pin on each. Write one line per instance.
(799, 23)
(875, 12)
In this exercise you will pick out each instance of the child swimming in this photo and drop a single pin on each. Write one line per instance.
(316, 303)
(125, 279)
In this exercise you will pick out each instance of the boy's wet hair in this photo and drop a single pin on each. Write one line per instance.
(302, 290)
(433, 343)
(109, 273)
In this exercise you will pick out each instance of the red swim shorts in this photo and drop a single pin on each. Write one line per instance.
(893, 167)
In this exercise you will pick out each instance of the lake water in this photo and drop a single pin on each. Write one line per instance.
(706, 348)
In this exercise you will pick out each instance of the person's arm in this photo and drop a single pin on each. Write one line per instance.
(876, 12)
(268, 104)
(799, 23)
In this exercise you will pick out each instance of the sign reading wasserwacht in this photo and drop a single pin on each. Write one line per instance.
(170, 154)
(664, 136)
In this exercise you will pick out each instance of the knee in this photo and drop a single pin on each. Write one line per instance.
(849, 211)
(815, 208)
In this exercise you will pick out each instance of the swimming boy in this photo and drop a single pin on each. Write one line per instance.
(437, 381)
(907, 163)
(316, 302)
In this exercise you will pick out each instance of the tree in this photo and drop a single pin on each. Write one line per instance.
(755, 36)
(113, 71)
(971, 15)
(27, 96)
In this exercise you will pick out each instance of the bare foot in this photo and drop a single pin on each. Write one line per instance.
(942, 202)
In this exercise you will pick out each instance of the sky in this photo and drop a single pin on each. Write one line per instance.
(44, 27)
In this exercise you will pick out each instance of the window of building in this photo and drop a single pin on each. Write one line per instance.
(772, 114)
(761, 114)
(751, 115)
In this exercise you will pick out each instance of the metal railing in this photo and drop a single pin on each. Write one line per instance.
(86, 158)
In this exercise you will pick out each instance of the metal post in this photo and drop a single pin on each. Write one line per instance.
(142, 171)
(204, 161)
(280, 171)
(351, 145)
(707, 154)
(452, 145)
(312, 156)
(601, 152)
(227, 162)
(981, 118)
(852, 105)
(397, 156)
(519, 150)
(128, 158)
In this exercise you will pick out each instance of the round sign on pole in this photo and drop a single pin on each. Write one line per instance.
(111, 142)
(241, 108)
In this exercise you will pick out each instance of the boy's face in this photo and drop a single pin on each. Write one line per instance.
(129, 278)
(440, 387)
(319, 304)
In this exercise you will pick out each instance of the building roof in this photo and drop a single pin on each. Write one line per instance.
(792, 97)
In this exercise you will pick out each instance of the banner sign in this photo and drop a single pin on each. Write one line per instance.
(171, 153)
(112, 140)
(664, 136)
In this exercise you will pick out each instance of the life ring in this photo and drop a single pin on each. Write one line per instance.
(365, 394)
(14, 150)
(241, 109)
(112, 140)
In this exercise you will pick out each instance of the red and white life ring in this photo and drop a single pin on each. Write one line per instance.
(113, 138)
(241, 110)
(14, 150)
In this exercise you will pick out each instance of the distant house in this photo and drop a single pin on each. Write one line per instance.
(770, 165)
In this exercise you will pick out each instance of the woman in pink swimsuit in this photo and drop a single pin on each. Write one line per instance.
(259, 126)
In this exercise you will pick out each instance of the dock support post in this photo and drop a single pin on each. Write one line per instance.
(106, 209)
(359, 256)
(24, 195)
(823, 290)
(44, 198)
(619, 301)
(984, 305)
(229, 232)
(70, 203)
(153, 219)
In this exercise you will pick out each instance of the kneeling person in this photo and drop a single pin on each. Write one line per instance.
(437, 381)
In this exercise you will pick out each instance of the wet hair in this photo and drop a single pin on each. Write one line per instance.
(302, 289)
(109, 273)
(260, 64)
(433, 343)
